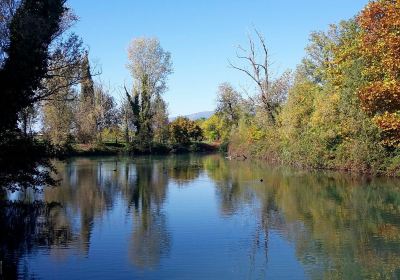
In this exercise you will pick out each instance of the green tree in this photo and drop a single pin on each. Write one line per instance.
(150, 65)
(160, 121)
(212, 128)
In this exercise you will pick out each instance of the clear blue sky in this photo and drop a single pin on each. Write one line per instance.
(201, 36)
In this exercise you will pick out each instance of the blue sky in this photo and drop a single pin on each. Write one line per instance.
(201, 36)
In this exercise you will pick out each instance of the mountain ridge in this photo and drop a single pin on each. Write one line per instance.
(196, 116)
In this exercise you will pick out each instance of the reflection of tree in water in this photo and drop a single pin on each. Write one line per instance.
(86, 190)
(25, 227)
(341, 226)
(49, 224)
(150, 237)
(184, 169)
(232, 191)
(352, 223)
(233, 181)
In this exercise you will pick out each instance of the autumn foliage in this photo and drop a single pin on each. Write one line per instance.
(343, 109)
(380, 49)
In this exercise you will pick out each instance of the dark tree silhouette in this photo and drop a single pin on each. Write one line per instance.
(33, 27)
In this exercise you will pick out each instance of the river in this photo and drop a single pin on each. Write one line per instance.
(200, 217)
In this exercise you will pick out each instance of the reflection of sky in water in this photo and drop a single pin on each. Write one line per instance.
(196, 217)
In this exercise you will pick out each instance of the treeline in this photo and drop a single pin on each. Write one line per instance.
(75, 113)
(49, 101)
(137, 122)
(340, 109)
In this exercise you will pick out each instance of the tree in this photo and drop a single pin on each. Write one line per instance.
(60, 104)
(183, 131)
(31, 32)
(380, 48)
(271, 92)
(150, 66)
(28, 118)
(228, 104)
(7, 11)
(319, 55)
(149, 61)
(106, 113)
(25, 54)
(86, 120)
(160, 121)
(212, 128)
(58, 117)
(128, 117)
(58, 109)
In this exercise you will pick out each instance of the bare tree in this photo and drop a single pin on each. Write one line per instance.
(271, 92)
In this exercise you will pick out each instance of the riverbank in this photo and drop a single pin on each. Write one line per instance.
(388, 167)
(108, 148)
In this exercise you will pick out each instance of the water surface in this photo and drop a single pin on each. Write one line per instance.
(200, 217)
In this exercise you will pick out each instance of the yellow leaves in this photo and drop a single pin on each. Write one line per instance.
(389, 123)
(325, 110)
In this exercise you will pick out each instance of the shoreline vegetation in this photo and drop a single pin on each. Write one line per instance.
(338, 110)
(112, 149)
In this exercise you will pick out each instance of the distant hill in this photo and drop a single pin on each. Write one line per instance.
(197, 116)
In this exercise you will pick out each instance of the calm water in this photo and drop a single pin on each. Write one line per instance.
(201, 217)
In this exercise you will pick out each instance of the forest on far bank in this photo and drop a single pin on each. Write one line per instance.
(340, 109)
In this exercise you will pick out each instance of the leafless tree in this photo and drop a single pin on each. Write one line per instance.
(271, 92)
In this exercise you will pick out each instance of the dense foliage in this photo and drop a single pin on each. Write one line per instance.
(342, 111)
(184, 131)
(380, 48)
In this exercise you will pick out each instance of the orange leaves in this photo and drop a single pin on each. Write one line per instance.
(380, 40)
(380, 49)
(379, 97)
(390, 126)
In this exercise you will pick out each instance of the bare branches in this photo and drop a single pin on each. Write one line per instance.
(247, 72)
(271, 93)
(266, 62)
